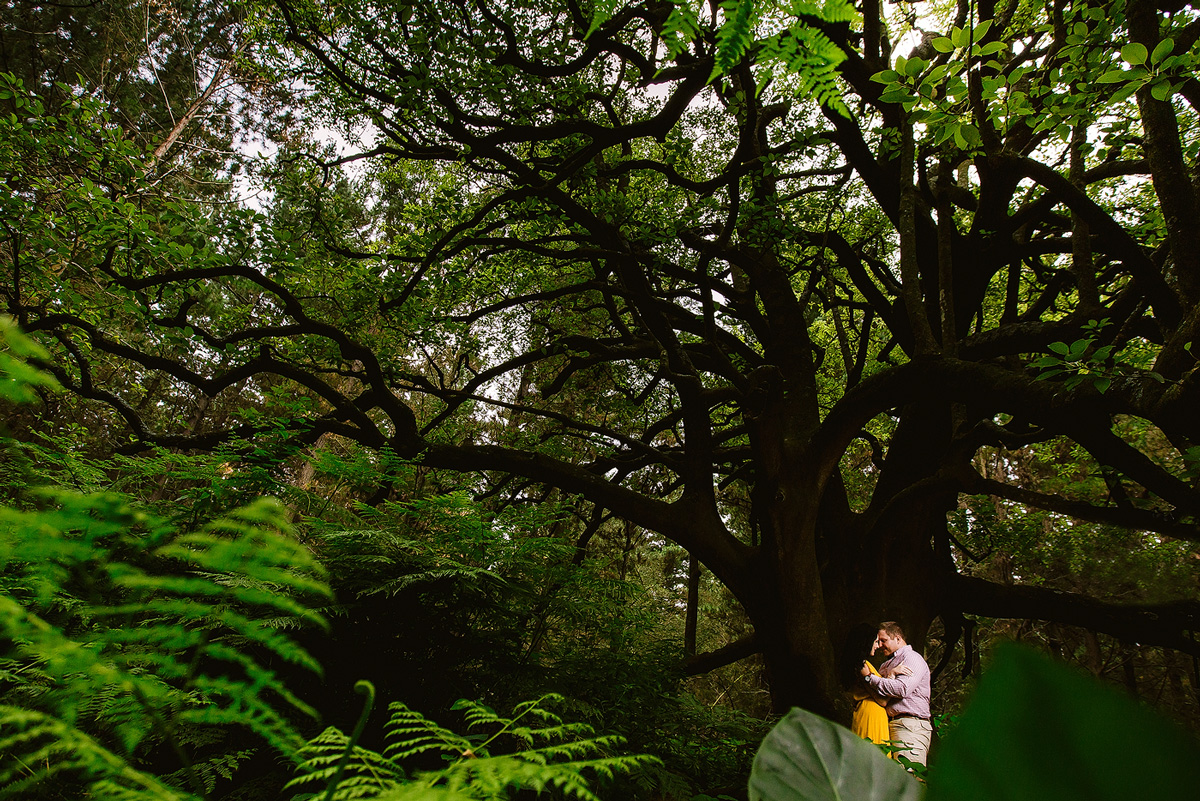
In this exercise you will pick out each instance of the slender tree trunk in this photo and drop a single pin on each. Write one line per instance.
(693, 607)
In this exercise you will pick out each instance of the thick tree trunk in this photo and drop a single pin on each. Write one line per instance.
(788, 604)
(822, 570)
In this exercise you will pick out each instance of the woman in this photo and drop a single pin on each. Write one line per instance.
(870, 719)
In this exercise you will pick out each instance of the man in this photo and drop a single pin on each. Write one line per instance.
(904, 682)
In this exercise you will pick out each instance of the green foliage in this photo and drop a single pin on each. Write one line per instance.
(799, 49)
(681, 28)
(534, 749)
(474, 280)
(736, 34)
(118, 625)
(17, 377)
(39, 749)
(120, 633)
(440, 597)
(1082, 361)
(1162, 70)
(1036, 729)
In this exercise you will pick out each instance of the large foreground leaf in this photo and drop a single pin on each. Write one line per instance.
(808, 757)
(1036, 729)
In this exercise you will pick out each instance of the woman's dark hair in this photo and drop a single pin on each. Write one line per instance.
(855, 649)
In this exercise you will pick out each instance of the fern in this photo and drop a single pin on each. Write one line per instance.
(366, 773)
(37, 748)
(567, 752)
(120, 628)
(414, 734)
(681, 28)
(801, 49)
(736, 35)
(812, 59)
(212, 770)
(604, 11)
(829, 10)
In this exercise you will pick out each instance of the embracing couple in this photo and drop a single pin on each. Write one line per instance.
(892, 703)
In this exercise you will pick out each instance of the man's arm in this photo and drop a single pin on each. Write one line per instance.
(902, 681)
(902, 670)
(872, 694)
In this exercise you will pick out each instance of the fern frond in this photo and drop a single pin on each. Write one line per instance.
(681, 28)
(422, 792)
(410, 733)
(474, 774)
(212, 770)
(829, 10)
(162, 641)
(366, 774)
(35, 747)
(812, 59)
(602, 13)
(735, 35)
(401, 583)
(495, 777)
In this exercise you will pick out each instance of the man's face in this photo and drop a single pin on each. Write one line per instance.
(888, 644)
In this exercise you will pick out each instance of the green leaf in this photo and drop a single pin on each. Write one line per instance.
(886, 76)
(935, 75)
(681, 28)
(971, 134)
(1112, 76)
(808, 757)
(1162, 50)
(1162, 89)
(830, 10)
(943, 44)
(1036, 729)
(1124, 92)
(897, 95)
(1135, 53)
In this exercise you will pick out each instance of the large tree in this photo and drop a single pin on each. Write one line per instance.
(692, 265)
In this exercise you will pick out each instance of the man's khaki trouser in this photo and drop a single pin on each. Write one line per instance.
(915, 735)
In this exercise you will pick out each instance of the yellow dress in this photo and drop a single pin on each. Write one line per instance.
(870, 720)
